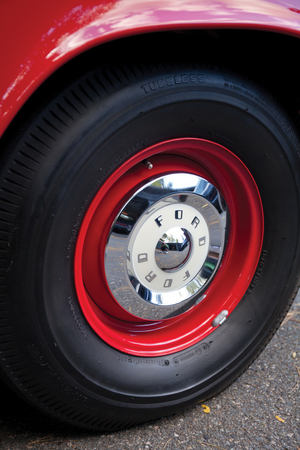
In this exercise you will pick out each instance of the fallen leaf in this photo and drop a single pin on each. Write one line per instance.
(41, 440)
(167, 443)
(294, 354)
(279, 419)
(206, 409)
(295, 387)
(290, 316)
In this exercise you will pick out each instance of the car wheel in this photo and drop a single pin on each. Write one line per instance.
(149, 231)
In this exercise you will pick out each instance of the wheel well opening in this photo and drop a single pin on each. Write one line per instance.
(266, 58)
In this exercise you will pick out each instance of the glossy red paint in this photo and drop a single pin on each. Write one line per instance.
(37, 38)
(148, 338)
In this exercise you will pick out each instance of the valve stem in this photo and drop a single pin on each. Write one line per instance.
(148, 164)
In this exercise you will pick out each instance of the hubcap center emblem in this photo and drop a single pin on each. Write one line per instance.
(173, 249)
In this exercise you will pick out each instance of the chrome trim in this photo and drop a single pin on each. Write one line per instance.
(179, 201)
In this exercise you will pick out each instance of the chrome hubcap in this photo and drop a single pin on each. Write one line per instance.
(165, 246)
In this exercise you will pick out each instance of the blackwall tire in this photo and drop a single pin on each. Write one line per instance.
(69, 343)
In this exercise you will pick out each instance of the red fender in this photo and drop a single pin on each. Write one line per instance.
(38, 39)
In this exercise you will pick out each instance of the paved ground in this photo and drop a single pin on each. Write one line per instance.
(260, 411)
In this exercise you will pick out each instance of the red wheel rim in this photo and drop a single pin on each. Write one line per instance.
(142, 337)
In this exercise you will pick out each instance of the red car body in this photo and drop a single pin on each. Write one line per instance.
(38, 39)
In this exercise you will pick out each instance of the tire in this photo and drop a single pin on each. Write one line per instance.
(76, 185)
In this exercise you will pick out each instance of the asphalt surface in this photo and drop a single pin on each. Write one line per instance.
(259, 411)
